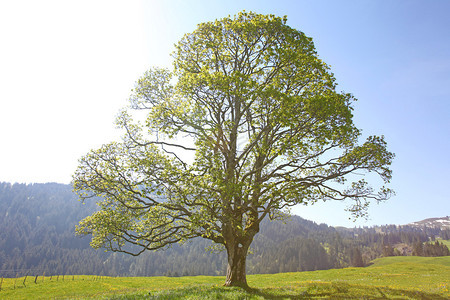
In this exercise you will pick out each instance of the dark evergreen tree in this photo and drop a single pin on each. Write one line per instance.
(356, 258)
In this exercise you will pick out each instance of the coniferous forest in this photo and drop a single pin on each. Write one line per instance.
(37, 235)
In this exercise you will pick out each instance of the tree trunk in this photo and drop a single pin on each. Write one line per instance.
(237, 256)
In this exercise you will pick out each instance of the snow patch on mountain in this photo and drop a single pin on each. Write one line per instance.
(443, 223)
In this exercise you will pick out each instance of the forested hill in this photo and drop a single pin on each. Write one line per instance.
(37, 224)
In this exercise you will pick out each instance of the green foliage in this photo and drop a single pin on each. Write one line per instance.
(267, 130)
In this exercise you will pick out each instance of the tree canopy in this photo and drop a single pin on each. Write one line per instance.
(247, 124)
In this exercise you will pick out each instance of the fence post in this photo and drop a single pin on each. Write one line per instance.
(15, 280)
(35, 279)
(24, 280)
(1, 282)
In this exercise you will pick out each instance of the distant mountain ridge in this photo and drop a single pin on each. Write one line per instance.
(37, 223)
(442, 223)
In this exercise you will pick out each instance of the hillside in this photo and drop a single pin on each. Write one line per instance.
(37, 235)
(440, 261)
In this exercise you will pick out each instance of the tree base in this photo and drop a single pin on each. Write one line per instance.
(240, 284)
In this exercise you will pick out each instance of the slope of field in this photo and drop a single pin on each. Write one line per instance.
(391, 278)
(420, 260)
(445, 242)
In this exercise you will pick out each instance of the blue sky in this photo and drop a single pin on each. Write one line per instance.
(67, 67)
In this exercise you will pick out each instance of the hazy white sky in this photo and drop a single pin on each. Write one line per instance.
(67, 67)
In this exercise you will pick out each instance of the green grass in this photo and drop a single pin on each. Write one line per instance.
(442, 260)
(445, 242)
(387, 278)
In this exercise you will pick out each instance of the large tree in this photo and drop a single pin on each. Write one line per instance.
(248, 124)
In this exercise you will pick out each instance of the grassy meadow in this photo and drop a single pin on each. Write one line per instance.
(387, 278)
(445, 242)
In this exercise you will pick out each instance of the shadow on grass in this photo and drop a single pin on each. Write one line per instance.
(342, 291)
(309, 291)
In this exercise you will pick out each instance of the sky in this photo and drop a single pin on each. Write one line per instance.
(68, 67)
